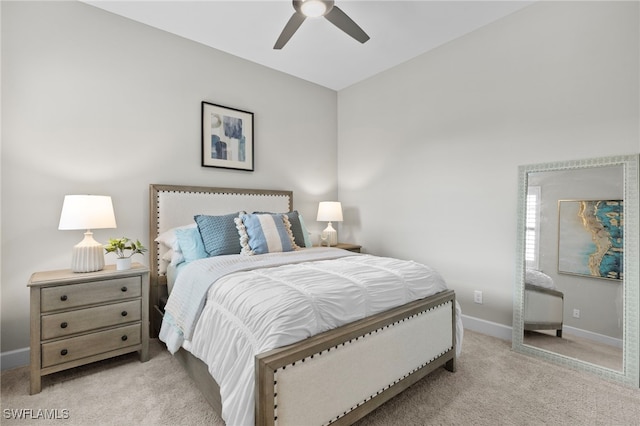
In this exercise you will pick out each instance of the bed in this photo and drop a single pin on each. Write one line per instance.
(543, 303)
(336, 374)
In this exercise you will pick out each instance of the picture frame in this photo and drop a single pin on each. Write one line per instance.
(591, 238)
(227, 137)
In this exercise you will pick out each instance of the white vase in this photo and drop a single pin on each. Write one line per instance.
(123, 263)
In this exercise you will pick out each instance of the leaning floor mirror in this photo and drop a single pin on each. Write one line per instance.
(577, 291)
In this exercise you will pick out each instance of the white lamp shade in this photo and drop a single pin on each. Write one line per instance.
(329, 211)
(87, 212)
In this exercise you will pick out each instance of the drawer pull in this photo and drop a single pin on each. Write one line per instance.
(64, 352)
(124, 288)
(64, 325)
(63, 297)
(123, 313)
(124, 338)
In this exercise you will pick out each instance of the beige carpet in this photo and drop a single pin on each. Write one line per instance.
(493, 386)
(576, 347)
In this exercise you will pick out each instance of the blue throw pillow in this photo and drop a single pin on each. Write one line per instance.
(297, 228)
(305, 233)
(265, 233)
(191, 244)
(219, 234)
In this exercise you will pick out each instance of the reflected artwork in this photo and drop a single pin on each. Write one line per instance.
(590, 238)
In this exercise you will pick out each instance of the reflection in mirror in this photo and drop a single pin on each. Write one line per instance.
(562, 294)
(576, 297)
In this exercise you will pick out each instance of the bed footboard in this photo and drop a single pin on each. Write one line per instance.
(339, 376)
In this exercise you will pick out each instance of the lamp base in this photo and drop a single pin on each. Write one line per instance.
(330, 235)
(87, 255)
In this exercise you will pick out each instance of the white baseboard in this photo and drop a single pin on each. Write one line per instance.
(490, 328)
(504, 331)
(13, 359)
(20, 357)
(600, 338)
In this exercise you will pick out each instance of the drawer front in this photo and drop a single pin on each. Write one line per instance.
(71, 322)
(74, 295)
(91, 344)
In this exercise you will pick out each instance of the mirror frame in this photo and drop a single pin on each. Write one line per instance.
(630, 373)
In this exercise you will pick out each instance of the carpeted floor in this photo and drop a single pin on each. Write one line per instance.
(492, 386)
(576, 347)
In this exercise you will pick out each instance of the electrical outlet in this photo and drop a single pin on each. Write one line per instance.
(477, 296)
(576, 313)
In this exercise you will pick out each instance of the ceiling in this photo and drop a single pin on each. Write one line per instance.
(318, 52)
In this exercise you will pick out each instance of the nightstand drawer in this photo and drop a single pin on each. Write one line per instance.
(80, 318)
(74, 295)
(67, 323)
(91, 344)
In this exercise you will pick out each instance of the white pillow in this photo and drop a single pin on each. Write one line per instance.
(539, 279)
(169, 239)
(167, 256)
(174, 257)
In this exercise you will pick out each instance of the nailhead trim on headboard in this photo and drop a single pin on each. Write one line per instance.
(254, 197)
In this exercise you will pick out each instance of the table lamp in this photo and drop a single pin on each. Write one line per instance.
(330, 211)
(87, 212)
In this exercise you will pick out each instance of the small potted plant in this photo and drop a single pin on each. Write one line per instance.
(124, 248)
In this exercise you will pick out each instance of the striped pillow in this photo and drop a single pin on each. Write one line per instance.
(299, 231)
(265, 233)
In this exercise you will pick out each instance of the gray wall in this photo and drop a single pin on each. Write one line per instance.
(429, 150)
(95, 103)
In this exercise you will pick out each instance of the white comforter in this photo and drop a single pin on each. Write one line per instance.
(256, 310)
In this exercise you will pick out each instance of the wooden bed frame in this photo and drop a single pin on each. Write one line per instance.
(336, 377)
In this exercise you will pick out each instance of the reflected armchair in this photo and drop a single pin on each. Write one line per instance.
(543, 304)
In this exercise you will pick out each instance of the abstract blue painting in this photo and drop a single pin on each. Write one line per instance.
(591, 238)
(227, 137)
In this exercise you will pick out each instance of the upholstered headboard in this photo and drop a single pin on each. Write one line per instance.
(171, 206)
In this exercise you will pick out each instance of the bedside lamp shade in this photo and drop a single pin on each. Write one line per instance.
(87, 212)
(330, 211)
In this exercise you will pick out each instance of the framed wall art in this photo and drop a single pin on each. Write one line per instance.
(591, 238)
(227, 137)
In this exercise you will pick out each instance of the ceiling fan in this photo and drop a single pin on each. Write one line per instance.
(315, 8)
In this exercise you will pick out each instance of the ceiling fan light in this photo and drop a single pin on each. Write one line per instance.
(313, 8)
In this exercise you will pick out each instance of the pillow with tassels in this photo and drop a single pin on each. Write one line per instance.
(265, 233)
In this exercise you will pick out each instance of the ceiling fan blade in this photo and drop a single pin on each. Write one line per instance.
(340, 19)
(292, 26)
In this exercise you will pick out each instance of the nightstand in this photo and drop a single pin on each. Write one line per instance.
(351, 247)
(79, 318)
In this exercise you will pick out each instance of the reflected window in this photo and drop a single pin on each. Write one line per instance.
(532, 227)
